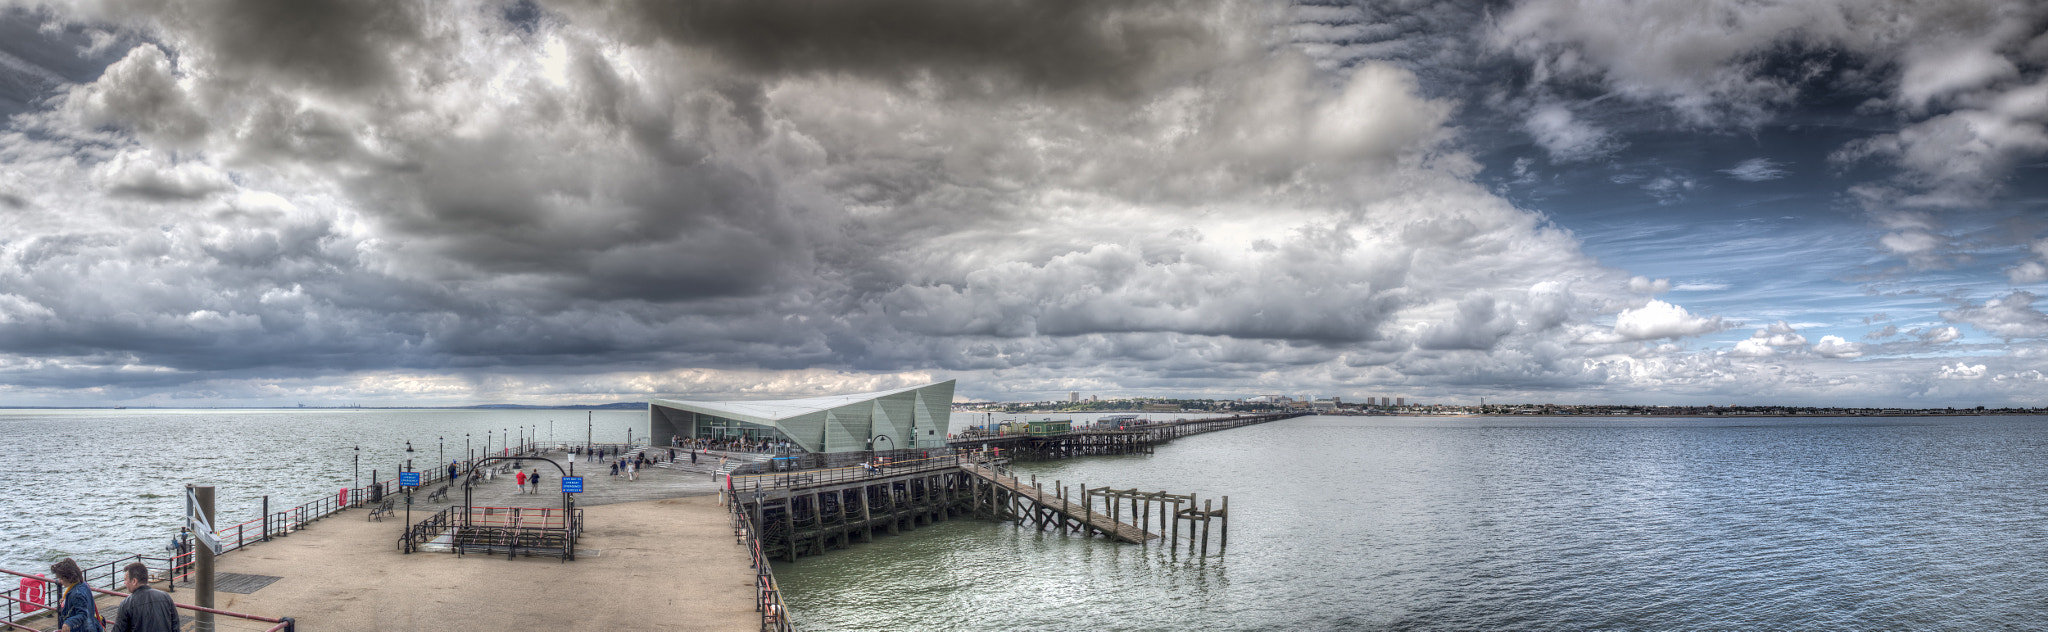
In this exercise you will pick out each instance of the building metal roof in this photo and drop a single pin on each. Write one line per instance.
(910, 417)
(779, 409)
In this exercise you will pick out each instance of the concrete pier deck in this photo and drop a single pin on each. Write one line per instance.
(656, 554)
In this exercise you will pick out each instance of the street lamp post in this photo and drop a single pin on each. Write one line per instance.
(443, 454)
(359, 469)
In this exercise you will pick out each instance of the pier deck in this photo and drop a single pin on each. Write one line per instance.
(657, 554)
(1077, 512)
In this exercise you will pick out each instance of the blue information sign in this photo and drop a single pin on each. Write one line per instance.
(572, 484)
(408, 479)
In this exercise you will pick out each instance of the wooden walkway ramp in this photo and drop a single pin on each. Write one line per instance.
(1079, 513)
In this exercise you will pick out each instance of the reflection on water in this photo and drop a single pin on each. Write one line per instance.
(1497, 524)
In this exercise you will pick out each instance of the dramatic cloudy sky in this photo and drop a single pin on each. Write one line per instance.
(252, 202)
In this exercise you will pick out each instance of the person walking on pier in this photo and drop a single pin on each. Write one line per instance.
(533, 480)
(451, 471)
(615, 468)
(76, 609)
(146, 609)
(521, 481)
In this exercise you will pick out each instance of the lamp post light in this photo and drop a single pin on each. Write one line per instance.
(359, 469)
(442, 455)
(408, 456)
(465, 450)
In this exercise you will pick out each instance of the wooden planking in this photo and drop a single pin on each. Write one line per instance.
(1095, 519)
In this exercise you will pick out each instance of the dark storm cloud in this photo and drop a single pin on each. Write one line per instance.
(345, 45)
(1119, 47)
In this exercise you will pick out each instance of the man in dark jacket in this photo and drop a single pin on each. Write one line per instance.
(146, 609)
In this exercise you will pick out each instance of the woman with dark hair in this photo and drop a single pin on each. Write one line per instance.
(76, 609)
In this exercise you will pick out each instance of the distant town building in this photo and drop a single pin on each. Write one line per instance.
(1073, 397)
(1400, 401)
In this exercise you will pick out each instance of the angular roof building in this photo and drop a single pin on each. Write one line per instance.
(886, 420)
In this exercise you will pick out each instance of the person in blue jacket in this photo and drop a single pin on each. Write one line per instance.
(76, 609)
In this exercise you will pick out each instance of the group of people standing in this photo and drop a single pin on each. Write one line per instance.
(145, 610)
(734, 445)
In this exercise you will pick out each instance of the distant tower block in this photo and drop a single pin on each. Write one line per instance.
(1073, 397)
(1400, 401)
(1386, 401)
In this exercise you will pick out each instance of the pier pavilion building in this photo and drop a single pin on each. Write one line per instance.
(886, 420)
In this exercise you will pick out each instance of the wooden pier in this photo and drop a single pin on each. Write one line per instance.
(812, 511)
(1005, 497)
(1138, 439)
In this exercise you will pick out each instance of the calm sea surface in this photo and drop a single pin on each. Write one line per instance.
(1381, 523)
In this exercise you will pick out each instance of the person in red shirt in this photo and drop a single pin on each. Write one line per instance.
(521, 480)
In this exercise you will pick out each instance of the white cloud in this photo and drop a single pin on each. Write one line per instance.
(1753, 348)
(2032, 271)
(1646, 285)
(1961, 371)
(1656, 319)
(1756, 170)
(2027, 376)
(1941, 335)
(1566, 137)
(1699, 287)
(2010, 317)
(1836, 347)
(1932, 73)
(2028, 272)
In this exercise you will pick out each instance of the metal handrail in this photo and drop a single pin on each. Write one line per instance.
(813, 478)
(767, 594)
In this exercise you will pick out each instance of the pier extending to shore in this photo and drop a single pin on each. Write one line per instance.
(1133, 439)
(810, 512)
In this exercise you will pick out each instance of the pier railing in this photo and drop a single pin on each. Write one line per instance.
(19, 608)
(767, 594)
(509, 530)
